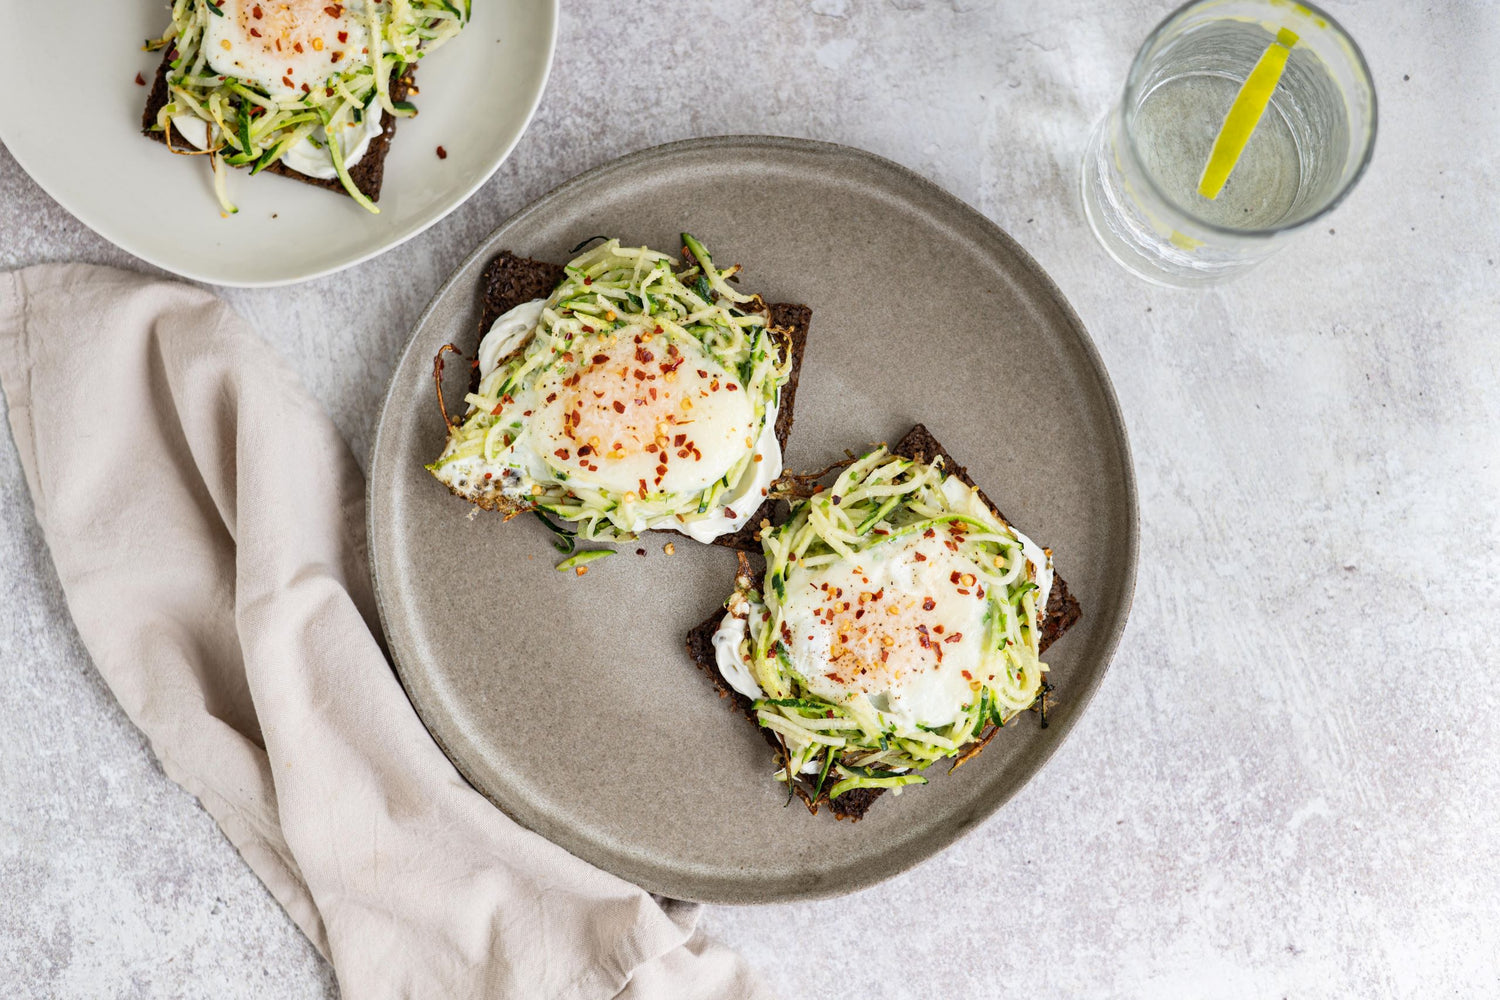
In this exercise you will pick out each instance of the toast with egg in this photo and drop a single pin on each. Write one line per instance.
(1061, 612)
(510, 281)
(307, 89)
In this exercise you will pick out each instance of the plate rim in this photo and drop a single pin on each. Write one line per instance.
(554, 14)
(1130, 547)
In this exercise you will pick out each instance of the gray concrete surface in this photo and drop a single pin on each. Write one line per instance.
(1289, 783)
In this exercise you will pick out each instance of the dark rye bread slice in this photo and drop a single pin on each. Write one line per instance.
(1063, 613)
(368, 174)
(509, 280)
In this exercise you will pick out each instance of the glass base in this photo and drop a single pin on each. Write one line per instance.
(1130, 240)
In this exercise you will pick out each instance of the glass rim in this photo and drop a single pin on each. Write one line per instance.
(1137, 71)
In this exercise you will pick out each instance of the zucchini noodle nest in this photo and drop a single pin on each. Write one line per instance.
(613, 300)
(879, 505)
(249, 128)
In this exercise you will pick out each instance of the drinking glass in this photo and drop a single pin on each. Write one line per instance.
(1145, 161)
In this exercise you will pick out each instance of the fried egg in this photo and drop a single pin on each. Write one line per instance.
(635, 416)
(903, 624)
(628, 418)
(286, 47)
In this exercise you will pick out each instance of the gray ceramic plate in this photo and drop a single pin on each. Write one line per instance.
(569, 701)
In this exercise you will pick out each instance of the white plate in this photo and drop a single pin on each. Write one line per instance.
(72, 117)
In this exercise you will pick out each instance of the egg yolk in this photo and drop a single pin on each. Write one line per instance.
(644, 417)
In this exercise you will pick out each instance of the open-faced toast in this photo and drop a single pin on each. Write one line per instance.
(1061, 613)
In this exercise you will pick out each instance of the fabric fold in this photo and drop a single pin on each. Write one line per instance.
(207, 523)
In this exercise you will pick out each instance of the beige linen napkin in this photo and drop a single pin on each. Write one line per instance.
(207, 523)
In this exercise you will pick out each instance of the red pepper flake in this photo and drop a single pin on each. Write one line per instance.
(140, 81)
(967, 676)
(733, 516)
(334, 10)
(937, 629)
(496, 411)
(678, 440)
(297, 46)
(954, 577)
(919, 557)
(561, 453)
(702, 373)
(732, 387)
(343, 35)
(928, 533)
(588, 281)
(599, 359)
(306, 89)
(928, 604)
(644, 356)
(286, 80)
(256, 12)
(336, 57)
(550, 398)
(955, 637)
(643, 487)
(584, 450)
(640, 552)
(619, 407)
(442, 153)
